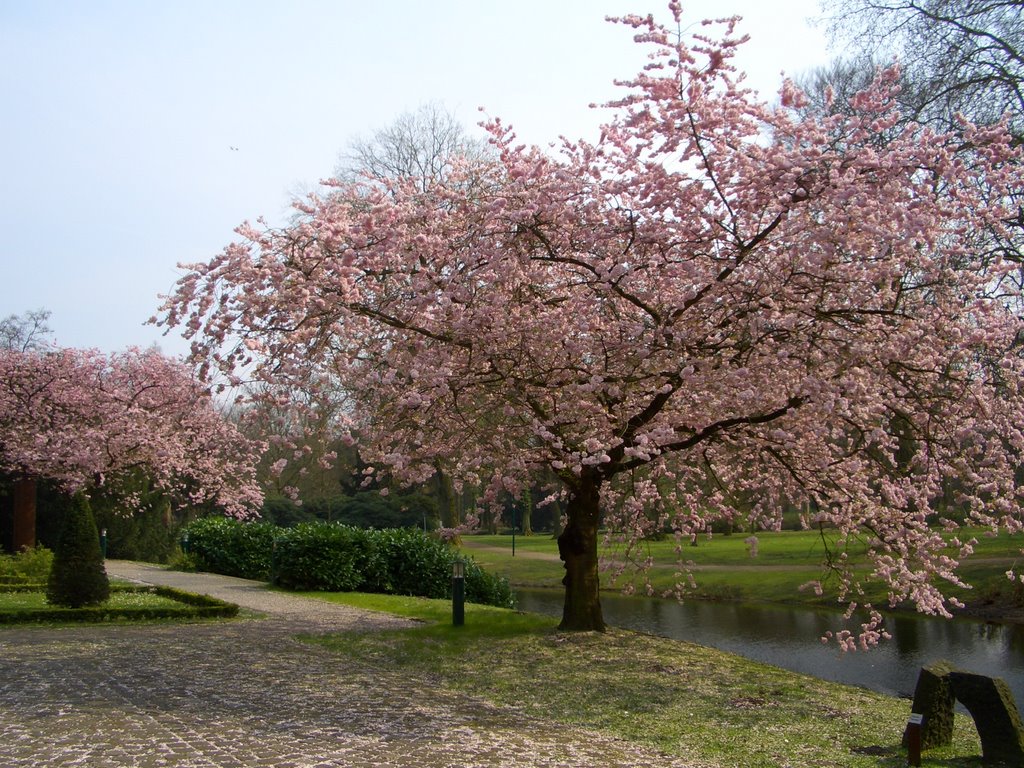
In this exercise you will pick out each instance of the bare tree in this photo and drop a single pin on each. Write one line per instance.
(959, 56)
(27, 332)
(420, 146)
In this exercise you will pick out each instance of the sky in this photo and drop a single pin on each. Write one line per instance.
(137, 134)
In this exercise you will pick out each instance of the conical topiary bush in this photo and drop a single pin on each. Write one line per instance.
(78, 577)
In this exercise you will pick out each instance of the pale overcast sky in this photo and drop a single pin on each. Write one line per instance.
(119, 117)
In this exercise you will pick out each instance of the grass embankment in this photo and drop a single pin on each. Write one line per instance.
(696, 703)
(724, 570)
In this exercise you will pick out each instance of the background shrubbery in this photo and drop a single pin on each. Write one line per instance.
(365, 509)
(30, 566)
(339, 558)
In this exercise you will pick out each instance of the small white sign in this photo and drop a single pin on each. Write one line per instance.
(915, 719)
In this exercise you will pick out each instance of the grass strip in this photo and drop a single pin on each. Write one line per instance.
(686, 700)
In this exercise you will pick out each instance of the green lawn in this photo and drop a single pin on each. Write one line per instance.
(724, 569)
(774, 547)
(784, 547)
(703, 705)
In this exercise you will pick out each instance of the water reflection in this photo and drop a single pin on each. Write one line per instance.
(788, 637)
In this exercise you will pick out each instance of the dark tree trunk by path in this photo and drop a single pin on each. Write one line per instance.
(577, 547)
(24, 502)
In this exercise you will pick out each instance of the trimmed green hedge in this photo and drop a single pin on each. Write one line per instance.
(231, 547)
(192, 606)
(16, 580)
(22, 586)
(323, 556)
(329, 557)
(395, 561)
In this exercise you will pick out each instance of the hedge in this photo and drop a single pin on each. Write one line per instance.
(330, 557)
(29, 565)
(324, 557)
(398, 561)
(19, 580)
(231, 547)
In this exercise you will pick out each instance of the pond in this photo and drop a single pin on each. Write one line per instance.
(789, 637)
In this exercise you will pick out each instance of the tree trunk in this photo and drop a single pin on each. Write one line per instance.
(577, 547)
(446, 499)
(556, 523)
(24, 497)
(527, 513)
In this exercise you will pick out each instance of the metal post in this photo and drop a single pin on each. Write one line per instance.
(513, 530)
(103, 543)
(913, 734)
(458, 593)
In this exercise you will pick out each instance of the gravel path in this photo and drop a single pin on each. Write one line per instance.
(247, 694)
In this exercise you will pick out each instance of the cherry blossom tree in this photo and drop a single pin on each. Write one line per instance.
(719, 308)
(84, 419)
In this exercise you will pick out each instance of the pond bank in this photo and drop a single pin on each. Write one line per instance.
(788, 637)
(703, 707)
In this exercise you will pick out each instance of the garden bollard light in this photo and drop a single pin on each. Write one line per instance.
(914, 739)
(184, 542)
(103, 543)
(458, 593)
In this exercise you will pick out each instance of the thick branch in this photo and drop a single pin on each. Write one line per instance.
(711, 431)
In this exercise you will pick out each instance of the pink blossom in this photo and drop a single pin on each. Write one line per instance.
(85, 419)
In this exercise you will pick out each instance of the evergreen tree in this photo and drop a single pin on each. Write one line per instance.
(78, 577)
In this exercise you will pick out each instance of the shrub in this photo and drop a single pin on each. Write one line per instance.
(232, 547)
(412, 564)
(191, 606)
(487, 588)
(323, 556)
(417, 564)
(183, 561)
(30, 566)
(401, 561)
(78, 578)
